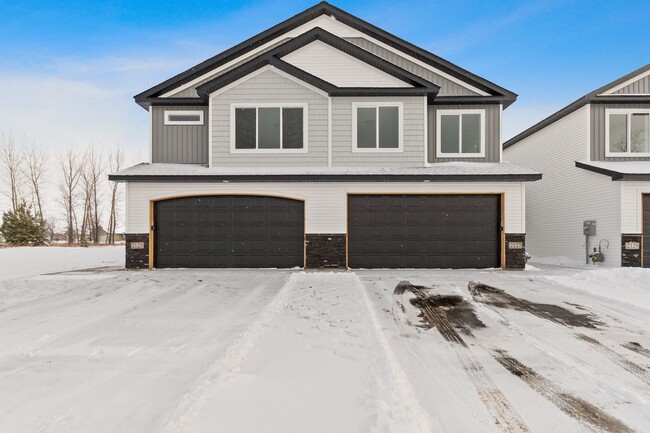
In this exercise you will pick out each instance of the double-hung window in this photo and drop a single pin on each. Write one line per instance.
(460, 133)
(627, 132)
(269, 128)
(377, 127)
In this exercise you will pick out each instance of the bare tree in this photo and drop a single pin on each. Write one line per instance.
(115, 163)
(33, 170)
(71, 167)
(90, 177)
(10, 162)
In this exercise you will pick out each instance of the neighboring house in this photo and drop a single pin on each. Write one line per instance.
(595, 156)
(325, 142)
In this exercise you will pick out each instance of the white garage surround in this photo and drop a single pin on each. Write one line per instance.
(325, 202)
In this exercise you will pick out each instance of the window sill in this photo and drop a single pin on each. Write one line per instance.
(270, 151)
(377, 150)
(459, 155)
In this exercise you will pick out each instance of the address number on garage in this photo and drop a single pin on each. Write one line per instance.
(137, 245)
(515, 245)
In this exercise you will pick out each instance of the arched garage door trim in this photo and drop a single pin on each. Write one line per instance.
(152, 207)
(502, 213)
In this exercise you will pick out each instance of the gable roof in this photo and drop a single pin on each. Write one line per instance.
(419, 86)
(152, 95)
(598, 96)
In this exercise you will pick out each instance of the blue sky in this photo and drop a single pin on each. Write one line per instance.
(69, 69)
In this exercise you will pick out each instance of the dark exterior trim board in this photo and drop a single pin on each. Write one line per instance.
(329, 178)
(324, 8)
(615, 175)
(589, 98)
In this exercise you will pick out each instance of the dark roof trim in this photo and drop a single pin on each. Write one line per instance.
(176, 101)
(470, 100)
(323, 8)
(330, 178)
(273, 58)
(615, 175)
(590, 98)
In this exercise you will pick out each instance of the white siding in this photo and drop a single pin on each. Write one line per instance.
(331, 25)
(339, 68)
(632, 206)
(557, 205)
(325, 203)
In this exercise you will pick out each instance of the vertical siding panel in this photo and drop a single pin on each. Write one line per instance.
(598, 132)
(179, 143)
(640, 86)
(492, 133)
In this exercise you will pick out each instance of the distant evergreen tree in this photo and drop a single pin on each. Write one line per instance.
(20, 227)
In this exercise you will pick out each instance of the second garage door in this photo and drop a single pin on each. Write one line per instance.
(424, 231)
(229, 232)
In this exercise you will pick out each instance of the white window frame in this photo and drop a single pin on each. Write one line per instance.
(400, 126)
(629, 112)
(460, 154)
(305, 123)
(183, 122)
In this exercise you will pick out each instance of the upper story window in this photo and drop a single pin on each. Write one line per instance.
(627, 132)
(377, 127)
(184, 117)
(460, 133)
(269, 128)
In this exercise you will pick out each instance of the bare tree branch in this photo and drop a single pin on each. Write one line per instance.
(11, 175)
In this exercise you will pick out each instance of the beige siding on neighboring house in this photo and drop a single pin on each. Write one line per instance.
(557, 205)
(178, 143)
(492, 132)
(632, 206)
(269, 87)
(447, 86)
(598, 132)
(413, 134)
(325, 203)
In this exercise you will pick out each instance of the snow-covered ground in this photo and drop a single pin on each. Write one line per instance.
(287, 351)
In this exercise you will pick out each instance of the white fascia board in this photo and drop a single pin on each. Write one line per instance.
(335, 27)
(611, 91)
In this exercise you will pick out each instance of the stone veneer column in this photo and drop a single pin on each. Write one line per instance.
(631, 250)
(515, 251)
(137, 251)
(326, 250)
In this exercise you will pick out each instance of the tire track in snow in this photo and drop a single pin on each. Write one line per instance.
(408, 413)
(617, 358)
(225, 365)
(505, 417)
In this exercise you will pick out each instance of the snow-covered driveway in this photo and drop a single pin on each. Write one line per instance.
(283, 351)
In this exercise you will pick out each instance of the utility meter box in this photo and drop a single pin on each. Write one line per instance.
(589, 228)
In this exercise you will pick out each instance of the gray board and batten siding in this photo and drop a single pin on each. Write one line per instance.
(270, 87)
(598, 132)
(638, 87)
(492, 132)
(180, 144)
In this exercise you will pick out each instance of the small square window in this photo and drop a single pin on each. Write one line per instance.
(460, 133)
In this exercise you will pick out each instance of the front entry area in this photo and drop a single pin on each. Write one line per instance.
(424, 230)
(228, 231)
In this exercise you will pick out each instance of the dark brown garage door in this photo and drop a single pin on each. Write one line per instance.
(424, 231)
(229, 232)
(646, 230)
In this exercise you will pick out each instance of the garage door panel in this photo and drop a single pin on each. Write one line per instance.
(424, 231)
(229, 231)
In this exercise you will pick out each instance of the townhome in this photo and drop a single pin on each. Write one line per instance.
(593, 205)
(325, 142)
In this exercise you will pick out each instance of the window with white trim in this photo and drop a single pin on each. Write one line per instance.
(377, 127)
(269, 128)
(627, 132)
(460, 133)
(186, 117)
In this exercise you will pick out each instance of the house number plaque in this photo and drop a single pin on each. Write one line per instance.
(632, 246)
(515, 245)
(137, 245)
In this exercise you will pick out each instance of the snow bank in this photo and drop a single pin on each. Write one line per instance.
(24, 262)
(629, 285)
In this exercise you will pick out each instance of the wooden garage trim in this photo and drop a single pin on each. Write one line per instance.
(152, 202)
(501, 217)
(643, 195)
